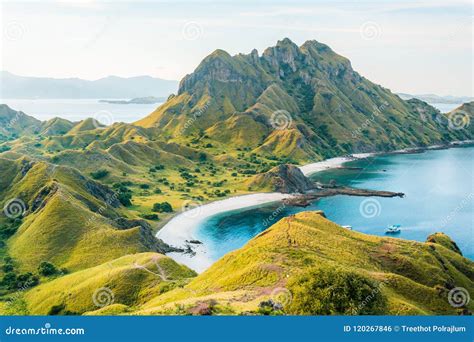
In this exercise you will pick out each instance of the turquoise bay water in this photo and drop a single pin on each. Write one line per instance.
(439, 194)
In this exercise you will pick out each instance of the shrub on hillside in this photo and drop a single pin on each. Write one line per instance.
(163, 207)
(335, 291)
(47, 269)
(99, 174)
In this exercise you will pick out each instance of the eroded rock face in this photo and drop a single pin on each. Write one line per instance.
(284, 53)
(444, 240)
(216, 67)
(146, 235)
(103, 193)
(41, 198)
(287, 178)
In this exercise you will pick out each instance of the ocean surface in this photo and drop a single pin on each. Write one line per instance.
(79, 109)
(439, 197)
(445, 107)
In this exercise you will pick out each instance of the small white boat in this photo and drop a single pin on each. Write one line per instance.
(347, 227)
(393, 229)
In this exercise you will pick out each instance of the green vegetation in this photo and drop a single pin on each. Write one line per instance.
(126, 281)
(164, 207)
(72, 220)
(305, 264)
(99, 174)
(47, 269)
(332, 291)
(302, 104)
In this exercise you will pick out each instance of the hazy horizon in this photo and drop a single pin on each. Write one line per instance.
(134, 76)
(414, 47)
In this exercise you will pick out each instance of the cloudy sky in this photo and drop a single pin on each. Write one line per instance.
(407, 46)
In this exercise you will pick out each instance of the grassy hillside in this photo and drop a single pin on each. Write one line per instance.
(122, 283)
(310, 265)
(461, 118)
(13, 124)
(53, 214)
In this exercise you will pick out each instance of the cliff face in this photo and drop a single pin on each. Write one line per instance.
(305, 94)
(283, 178)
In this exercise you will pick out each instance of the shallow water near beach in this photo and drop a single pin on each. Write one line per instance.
(439, 197)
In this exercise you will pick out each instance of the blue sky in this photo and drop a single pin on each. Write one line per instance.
(407, 46)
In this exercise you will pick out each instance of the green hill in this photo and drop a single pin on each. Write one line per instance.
(305, 102)
(310, 265)
(14, 124)
(66, 218)
(56, 126)
(122, 283)
(462, 117)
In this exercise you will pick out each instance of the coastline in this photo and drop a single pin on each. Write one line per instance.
(180, 229)
(332, 163)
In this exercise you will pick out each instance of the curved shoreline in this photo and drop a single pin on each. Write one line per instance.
(180, 229)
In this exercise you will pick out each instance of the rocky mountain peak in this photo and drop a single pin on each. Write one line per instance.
(284, 53)
(218, 66)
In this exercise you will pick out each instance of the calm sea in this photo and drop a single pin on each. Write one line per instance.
(76, 110)
(439, 197)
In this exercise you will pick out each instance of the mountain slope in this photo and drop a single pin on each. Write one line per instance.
(65, 218)
(304, 101)
(461, 118)
(290, 262)
(127, 281)
(14, 124)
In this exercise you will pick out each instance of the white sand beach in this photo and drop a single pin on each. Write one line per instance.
(323, 165)
(331, 163)
(182, 227)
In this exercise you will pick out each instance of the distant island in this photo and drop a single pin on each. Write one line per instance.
(111, 87)
(432, 98)
(137, 100)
